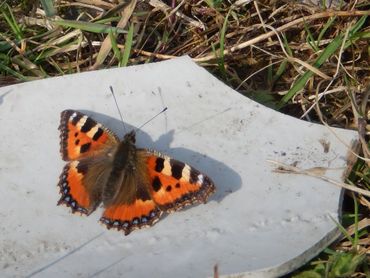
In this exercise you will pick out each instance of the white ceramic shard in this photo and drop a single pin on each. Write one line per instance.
(259, 222)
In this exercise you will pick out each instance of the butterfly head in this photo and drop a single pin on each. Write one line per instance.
(130, 137)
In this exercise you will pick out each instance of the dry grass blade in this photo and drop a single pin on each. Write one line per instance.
(317, 172)
(364, 223)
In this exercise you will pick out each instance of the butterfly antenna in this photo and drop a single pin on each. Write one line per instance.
(119, 111)
(152, 118)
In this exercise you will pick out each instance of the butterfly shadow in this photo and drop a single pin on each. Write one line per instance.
(227, 181)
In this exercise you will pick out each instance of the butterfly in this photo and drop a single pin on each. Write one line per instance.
(134, 185)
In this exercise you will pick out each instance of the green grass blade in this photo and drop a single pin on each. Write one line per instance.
(12, 22)
(17, 28)
(353, 35)
(4, 46)
(361, 35)
(10, 71)
(308, 274)
(310, 39)
(329, 251)
(89, 26)
(327, 25)
(214, 3)
(116, 50)
(108, 20)
(282, 67)
(264, 97)
(280, 71)
(358, 25)
(49, 8)
(286, 46)
(270, 76)
(356, 235)
(342, 229)
(29, 66)
(128, 45)
(345, 264)
(214, 49)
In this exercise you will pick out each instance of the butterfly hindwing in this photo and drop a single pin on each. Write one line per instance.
(81, 136)
(174, 184)
(81, 183)
(128, 217)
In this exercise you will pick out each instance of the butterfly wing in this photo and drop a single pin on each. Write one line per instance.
(129, 216)
(81, 183)
(81, 136)
(88, 146)
(174, 184)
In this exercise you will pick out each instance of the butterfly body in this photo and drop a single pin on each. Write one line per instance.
(134, 185)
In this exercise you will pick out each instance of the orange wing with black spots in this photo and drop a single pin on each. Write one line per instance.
(81, 136)
(81, 184)
(174, 184)
(128, 217)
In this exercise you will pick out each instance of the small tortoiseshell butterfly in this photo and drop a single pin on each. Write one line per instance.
(135, 185)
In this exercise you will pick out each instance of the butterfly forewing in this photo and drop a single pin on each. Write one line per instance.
(175, 184)
(81, 136)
